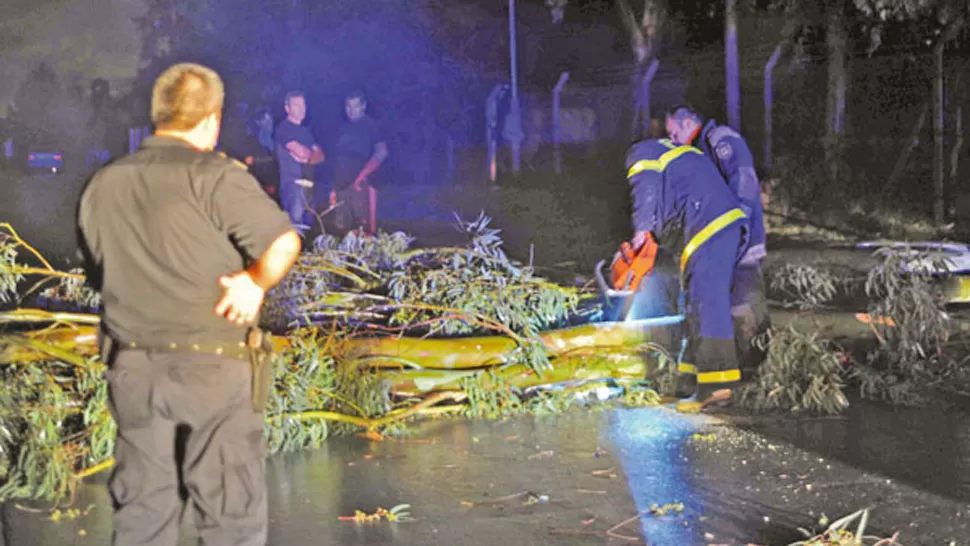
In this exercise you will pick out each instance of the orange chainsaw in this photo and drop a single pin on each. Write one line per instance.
(630, 266)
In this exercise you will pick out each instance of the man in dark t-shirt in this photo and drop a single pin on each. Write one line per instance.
(297, 153)
(360, 152)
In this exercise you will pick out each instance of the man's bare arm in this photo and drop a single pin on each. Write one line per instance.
(298, 151)
(243, 292)
(316, 155)
(272, 266)
(375, 161)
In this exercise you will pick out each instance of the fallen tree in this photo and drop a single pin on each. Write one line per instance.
(371, 332)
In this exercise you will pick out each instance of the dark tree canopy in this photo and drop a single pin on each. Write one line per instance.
(50, 112)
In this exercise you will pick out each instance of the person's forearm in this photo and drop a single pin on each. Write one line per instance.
(375, 161)
(639, 237)
(299, 152)
(372, 165)
(316, 156)
(273, 265)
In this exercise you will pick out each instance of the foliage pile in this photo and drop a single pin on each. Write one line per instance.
(840, 533)
(801, 372)
(356, 318)
(803, 287)
(909, 320)
(912, 349)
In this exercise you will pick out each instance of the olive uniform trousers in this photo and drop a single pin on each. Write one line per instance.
(157, 396)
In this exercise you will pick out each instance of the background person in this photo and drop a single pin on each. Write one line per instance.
(360, 151)
(297, 152)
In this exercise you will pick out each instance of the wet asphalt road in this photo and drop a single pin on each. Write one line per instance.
(753, 484)
(536, 480)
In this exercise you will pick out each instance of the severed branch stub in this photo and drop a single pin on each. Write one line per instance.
(527, 498)
(614, 531)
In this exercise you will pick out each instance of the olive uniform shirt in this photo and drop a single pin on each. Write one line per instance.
(159, 227)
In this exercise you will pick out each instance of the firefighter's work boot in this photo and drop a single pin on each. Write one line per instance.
(685, 385)
(718, 397)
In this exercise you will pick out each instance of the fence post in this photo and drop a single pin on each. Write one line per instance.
(491, 130)
(957, 145)
(647, 81)
(135, 136)
(732, 74)
(938, 150)
(769, 104)
(513, 122)
(450, 145)
(556, 127)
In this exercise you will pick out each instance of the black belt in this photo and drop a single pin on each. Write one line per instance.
(233, 350)
(257, 349)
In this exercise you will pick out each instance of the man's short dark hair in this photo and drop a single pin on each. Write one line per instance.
(292, 95)
(357, 94)
(184, 95)
(684, 111)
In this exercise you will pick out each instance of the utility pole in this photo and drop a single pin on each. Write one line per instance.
(513, 123)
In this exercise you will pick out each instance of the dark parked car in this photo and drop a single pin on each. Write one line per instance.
(45, 161)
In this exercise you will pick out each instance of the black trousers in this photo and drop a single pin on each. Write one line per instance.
(152, 395)
(354, 211)
(749, 311)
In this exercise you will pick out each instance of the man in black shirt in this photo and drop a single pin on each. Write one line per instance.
(183, 244)
(360, 152)
(297, 153)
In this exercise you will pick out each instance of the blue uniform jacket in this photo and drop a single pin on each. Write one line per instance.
(676, 191)
(734, 160)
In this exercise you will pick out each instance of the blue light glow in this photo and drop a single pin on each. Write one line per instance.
(649, 442)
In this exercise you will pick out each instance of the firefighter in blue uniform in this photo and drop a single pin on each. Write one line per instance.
(733, 159)
(679, 197)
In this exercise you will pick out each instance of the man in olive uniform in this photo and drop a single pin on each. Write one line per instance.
(183, 244)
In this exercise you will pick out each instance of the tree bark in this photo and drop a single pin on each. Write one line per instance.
(836, 44)
(939, 150)
(427, 353)
(644, 37)
(957, 150)
(911, 143)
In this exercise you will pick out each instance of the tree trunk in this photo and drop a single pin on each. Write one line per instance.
(911, 143)
(461, 353)
(836, 42)
(732, 73)
(644, 41)
(957, 150)
(939, 152)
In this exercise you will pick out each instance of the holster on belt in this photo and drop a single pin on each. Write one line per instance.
(261, 358)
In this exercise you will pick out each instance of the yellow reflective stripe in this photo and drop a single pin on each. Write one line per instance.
(709, 230)
(662, 162)
(684, 367)
(726, 376)
(666, 142)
